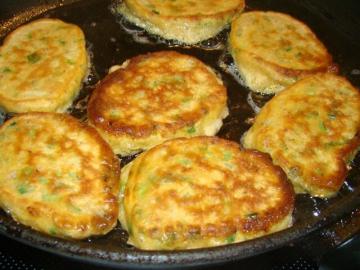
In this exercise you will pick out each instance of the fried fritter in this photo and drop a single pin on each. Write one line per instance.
(311, 130)
(58, 176)
(273, 50)
(202, 192)
(155, 97)
(42, 66)
(185, 21)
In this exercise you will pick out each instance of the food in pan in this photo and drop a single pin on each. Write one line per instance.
(58, 176)
(42, 65)
(311, 130)
(273, 50)
(155, 97)
(202, 192)
(185, 21)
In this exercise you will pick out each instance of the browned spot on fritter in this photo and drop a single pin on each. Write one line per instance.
(65, 176)
(206, 188)
(311, 130)
(161, 95)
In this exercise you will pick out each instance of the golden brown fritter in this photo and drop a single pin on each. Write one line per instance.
(202, 192)
(58, 176)
(185, 21)
(42, 65)
(155, 97)
(273, 50)
(311, 130)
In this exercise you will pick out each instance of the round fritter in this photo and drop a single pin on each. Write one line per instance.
(185, 21)
(273, 50)
(155, 97)
(42, 65)
(202, 192)
(311, 130)
(58, 176)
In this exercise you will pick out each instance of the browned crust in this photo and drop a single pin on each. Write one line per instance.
(222, 14)
(334, 181)
(99, 102)
(102, 223)
(283, 209)
(9, 104)
(328, 65)
(261, 223)
(299, 73)
(9, 36)
(328, 185)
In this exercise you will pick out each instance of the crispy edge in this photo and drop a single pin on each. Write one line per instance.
(344, 156)
(23, 106)
(287, 76)
(102, 225)
(164, 26)
(251, 228)
(132, 131)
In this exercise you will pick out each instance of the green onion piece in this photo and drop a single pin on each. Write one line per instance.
(230, 239)
(191, 130)
(33, 58)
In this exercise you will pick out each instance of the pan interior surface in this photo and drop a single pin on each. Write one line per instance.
(109, 43)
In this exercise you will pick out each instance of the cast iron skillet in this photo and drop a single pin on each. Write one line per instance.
(109, 44)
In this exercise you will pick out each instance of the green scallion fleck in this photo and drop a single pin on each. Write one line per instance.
(32, 133)
(43, 180)
(155, 11)
(333, 144)
(191, 130)
(52, 231)
(22, 189)
(70, 62)
(6, 70)
(318, 171)
(185, 162)
(33, 58)
(322, 126)
(227, 156)
(49, 197)
(230, 239)
(75, 209)
(187, 99)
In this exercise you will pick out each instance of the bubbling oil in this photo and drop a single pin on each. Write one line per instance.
(79, 106)
(255, 100)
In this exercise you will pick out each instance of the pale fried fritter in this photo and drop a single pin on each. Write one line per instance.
(273, 50)
(202, 192)
(155, 97)
(42, 65)
(58, 176)
(311, 130)
(185, 21)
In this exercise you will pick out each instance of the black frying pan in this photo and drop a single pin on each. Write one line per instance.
(336, 25)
